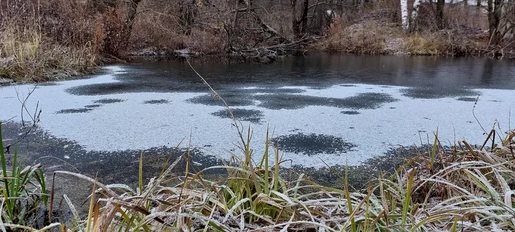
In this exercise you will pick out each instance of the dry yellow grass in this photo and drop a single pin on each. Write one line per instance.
(30, 56)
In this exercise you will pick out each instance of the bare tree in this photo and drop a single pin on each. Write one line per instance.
(494, 20)
(440, 20)
(188, 12)
(132, 7)
(299, 22)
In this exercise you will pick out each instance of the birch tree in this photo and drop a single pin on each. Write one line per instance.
(404, 15)
(409, 21)
(414, 15)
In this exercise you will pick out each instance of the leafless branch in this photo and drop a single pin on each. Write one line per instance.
(34, 118)
(237, 124)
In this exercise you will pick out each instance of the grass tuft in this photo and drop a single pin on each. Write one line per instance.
(22, 191)
(27, 55)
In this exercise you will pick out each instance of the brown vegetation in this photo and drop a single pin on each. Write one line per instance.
(49, 40)
(465, 33)
(40, 38)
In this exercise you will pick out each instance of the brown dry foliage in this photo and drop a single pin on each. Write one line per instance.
(71, 23)
(369, 38)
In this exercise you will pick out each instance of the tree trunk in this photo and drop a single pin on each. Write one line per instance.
(299, 25)
(414, 15)
(304, 17)
(132, 9)
(478, 3)
(404, 15)
(100, 5)
(188, 13)
(494, 19)
(131, 14)
(440, 22)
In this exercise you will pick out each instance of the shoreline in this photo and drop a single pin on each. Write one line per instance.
(224, 58)
(121, 166)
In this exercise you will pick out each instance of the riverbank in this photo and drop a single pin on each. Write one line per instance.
(373, 29)
(58, 46)
(39, 147)
(437, 190)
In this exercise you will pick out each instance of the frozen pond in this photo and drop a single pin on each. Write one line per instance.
(341, 109)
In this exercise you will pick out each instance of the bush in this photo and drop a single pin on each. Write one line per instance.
(30, 56)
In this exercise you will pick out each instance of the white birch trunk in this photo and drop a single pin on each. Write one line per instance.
(414, 14)
(404, 15)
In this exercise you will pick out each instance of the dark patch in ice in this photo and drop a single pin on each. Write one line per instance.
(312, 144)
(159, 101)
(435, 93)
(92, 106)
(350, 112)
(230, 99)
(240, 97)
(38, 146)
(290, 101)
(254, 116)
(467, 99)
(108, 100)
(73, 111)
(359, 176)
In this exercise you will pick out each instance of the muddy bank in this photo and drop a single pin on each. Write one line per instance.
(361, 176)
(36, 146)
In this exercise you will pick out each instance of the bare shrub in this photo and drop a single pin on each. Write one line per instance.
(157, 25)
(391, 9)
(205, 41)
(466, 17)
(44, 40)
(367, 38)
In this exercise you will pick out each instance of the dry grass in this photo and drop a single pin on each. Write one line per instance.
(380, 38)
(377, 31)
(420, 45)
(28, 55)
(444, 43)
(52, 40)
(368, 38)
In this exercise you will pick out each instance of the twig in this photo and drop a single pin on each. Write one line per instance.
(34, 118)
(474, 114)
(24, 104)
(227, 107)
